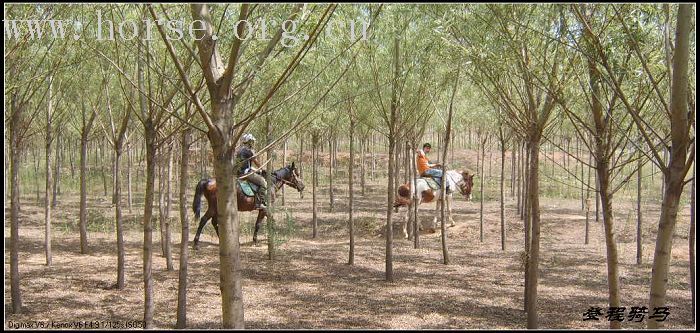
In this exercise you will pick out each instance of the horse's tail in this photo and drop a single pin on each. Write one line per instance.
(197, 203)
(404, 196)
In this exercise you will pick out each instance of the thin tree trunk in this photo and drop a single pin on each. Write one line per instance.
(527, 221)
(57, 172)
(330, 174)
(351, 180)
(363, 146)
(284, 163)
(444, 201)
(168, 199)
(588, 196)
(83, 192)
(184, 218)
(270, 221)
(503, 218)
(129, 153)
(674, 175)
(416, 222)
(102, 169)
(520, 172)
(481, 190)
(149, 141)
(372, 156)
(118, 213)
(47, 193)
(314, 158)
(36, 174)
(301, 155)
(534, 251)
(389, 266)
(15, 156)
(691, 246)
(639, 210)
(512, 172)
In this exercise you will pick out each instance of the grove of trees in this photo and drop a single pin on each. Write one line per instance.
(591, 102)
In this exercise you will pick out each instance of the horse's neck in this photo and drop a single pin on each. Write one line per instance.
(454, 176)
(278, 178)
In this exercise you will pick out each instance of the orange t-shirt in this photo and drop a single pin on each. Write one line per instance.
(422, 163)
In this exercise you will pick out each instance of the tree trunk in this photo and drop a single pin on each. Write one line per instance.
(674, 175)
(527, 221)
(55, 191)
(416, 222)
(301, 155)
(102, 168)
(389, 266)
(588, 196)
(118, 216)
(129, 153)
(83, 191)
(503, 218)
(284, 163)
(36, 174)
(184, 218)
(639, 210)
(351, 168)
(481, 190)
(330, 173)
(691, 246)
(363, 146)
(534, 251)
(597, 198)
(270, 220)
(15, 156)
(519, 178)
(47, 193)
(161, 202)
(611, 246)
(168, 199)
(314, 182)
(231, 276)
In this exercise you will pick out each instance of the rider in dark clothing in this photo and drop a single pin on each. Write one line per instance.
(244, 156)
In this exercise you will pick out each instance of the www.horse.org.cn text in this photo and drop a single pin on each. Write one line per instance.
(105, 28)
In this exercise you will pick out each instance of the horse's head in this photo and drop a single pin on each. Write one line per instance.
(290, 176)
(465, 186)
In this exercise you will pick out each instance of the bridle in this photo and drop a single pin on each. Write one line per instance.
(461, 185)
(294, 183)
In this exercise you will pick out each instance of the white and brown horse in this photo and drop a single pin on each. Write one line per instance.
(462, 181)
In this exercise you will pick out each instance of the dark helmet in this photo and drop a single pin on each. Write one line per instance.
(427, 145)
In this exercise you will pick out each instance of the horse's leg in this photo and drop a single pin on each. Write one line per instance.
(449, 210)
(215, 223)
(258, 222)
(437, 212)
(407, 230)
(202, 223)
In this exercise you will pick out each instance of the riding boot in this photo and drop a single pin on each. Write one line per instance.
(260, 199)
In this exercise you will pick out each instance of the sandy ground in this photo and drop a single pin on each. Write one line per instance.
(310, 285)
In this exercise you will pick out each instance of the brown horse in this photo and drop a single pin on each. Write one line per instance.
(207, 187)
(461, 180)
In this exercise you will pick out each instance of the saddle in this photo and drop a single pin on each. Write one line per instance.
(248, 188)
(434, 185)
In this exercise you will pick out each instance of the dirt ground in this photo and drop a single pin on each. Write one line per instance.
(310, 285)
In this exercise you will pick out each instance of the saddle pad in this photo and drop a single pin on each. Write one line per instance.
(248, 188)
(432, 183)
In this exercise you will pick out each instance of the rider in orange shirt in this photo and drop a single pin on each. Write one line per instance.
(426, 168)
